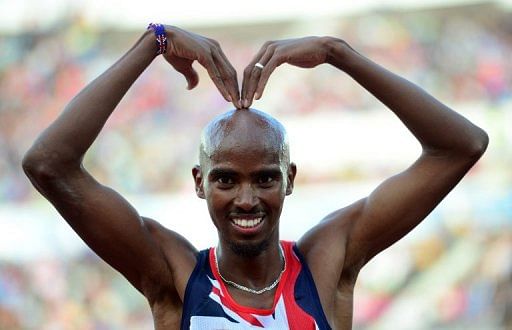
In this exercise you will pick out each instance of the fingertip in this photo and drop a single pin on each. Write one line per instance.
(192, 81)
(225, 95)
(236, 103)
(191, 86)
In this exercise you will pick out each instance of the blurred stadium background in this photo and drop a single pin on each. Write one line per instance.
(453, 272)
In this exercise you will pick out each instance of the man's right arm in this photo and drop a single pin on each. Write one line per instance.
(100, 216)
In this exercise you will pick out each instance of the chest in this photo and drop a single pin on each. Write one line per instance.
(293, 304)
(263, 301)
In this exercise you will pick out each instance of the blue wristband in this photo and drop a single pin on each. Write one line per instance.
(161, 37)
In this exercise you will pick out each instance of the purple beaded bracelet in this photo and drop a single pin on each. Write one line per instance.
(161, 38)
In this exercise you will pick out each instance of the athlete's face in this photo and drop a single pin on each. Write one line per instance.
(244, 181)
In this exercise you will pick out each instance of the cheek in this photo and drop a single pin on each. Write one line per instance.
(213, 209)
(275, 197)
(281, 190)
(217, 200)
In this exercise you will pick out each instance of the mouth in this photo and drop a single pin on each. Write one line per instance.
(247, 224)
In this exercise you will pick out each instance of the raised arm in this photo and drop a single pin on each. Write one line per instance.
(450, 146)
(450, 143)
(100, 216)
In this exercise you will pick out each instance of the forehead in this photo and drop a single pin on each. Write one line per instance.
(244, 138)
(249, 147)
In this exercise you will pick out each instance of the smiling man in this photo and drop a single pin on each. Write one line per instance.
(244, 174)
(251, 279)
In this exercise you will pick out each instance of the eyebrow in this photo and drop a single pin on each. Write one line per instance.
(218, 172)
(273, 172)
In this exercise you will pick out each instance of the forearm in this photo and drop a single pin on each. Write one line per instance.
(437, 127)
(67, 139)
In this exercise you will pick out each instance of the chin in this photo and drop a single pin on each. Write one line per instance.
(249, 249)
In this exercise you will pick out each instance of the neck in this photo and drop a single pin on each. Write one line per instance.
(253, 272)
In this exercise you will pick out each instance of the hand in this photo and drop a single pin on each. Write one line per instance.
(305, 52)
(186, 47)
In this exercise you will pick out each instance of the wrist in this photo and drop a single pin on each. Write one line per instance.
(160, 37)
(338, 52)
(147, 43)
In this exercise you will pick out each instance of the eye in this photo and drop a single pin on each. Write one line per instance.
(225, 181)
(266, 181)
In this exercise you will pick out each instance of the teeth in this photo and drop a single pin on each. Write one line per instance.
(247, 223)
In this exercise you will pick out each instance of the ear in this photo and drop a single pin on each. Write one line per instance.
(292, 171)
(198, 180)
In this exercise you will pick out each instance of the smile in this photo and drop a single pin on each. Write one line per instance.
(247, 223)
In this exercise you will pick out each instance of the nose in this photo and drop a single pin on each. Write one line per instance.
(246, 198)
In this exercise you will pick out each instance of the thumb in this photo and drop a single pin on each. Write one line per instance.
(184, 66)
(192, 77)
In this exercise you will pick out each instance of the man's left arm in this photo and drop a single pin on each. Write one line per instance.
(451, 144)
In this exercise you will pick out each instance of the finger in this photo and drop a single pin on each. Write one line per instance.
(190, 74)
(250, 86)
(185, 68)
(249, 70)
(266, 72)
(228, 76)
(256, 75)
(209, 64)
(192, 77)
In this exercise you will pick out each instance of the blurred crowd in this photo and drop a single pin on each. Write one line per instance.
(459, 54)
(69, 294)
(449, 282)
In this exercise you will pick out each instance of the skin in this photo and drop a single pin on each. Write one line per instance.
(245, 172)
(244, 139)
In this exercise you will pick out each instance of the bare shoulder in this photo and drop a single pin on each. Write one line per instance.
(178, 252)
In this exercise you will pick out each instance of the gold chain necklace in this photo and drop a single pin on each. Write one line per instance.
(246, 289)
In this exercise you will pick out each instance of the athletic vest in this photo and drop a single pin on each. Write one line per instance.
(208, 304)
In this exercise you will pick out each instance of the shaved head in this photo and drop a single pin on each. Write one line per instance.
(244, 175)
(245, 128)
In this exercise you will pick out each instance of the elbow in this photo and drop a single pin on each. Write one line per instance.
(38, 167)
(35, 169)
(47, 159)
(478, 144)
(48, 174)
(472, 148)
(463, 148)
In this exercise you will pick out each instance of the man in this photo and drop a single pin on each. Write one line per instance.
(251, 278)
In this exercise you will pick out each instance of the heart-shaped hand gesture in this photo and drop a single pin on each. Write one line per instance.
(306, 52)
(187, 47)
